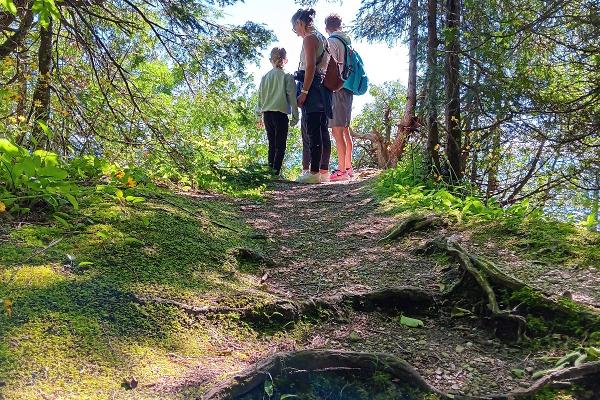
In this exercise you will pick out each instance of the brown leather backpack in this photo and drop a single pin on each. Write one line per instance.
(333, 75)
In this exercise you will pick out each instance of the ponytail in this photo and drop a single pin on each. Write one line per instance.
(305, 15)
(278, 56)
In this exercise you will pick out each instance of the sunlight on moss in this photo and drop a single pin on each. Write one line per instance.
(31, 276)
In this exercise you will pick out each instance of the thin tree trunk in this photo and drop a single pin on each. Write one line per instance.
(23, 72)
(41, 95)
(468, 118)
(530, 172)
(432, 162)
(493, 184)
(596, 202)
(13, 41)
(451, 73)
(408, 122)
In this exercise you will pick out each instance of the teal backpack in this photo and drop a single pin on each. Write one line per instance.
(354, 75)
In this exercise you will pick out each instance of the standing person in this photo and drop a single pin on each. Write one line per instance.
(342, 101)
(313, 97)
(277, 99)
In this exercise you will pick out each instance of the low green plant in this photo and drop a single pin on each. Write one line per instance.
(30, 179)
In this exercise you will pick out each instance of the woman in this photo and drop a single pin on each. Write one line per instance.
(313, 97)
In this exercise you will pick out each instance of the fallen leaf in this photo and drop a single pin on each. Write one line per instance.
(411, 322)
(130, 182)
(517, 372)
(2, 207)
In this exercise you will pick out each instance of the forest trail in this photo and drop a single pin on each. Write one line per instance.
(323, 240)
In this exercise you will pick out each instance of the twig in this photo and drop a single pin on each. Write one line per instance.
(45, 249)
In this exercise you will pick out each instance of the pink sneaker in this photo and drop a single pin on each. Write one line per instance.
(339, 176)
(350, 172)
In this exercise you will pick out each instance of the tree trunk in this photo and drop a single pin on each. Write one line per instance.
(473, 171)
(13, 41)
(432, 162)
(596, 202)
(494, 159)
(451, 74)
(408, 122)
(23, 72)
(41, 95)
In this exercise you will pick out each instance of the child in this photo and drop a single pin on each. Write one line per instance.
(277, 99)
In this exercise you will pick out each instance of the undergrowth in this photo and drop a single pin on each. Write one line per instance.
(521, 226)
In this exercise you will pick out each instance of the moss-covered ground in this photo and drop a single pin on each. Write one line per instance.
(71, 327)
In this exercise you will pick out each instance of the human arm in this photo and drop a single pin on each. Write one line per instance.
(310, 61)
(290, 91)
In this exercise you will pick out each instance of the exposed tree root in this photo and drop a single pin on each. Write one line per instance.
(412, 224)
(366, 364)
(314, 361)
(583, 375)
(283, 310)
(491, 281)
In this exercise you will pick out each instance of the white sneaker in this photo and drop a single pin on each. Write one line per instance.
(310, 178)
(324, 178)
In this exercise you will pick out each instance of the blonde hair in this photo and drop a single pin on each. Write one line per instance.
(278, 56)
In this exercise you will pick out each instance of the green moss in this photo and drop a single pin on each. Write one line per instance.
(566, 316)
(76, 330)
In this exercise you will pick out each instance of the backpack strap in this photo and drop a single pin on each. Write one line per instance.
(346, 45)
(325, 49)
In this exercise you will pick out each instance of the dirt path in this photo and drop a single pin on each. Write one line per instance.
(324, 241)
(325, 237)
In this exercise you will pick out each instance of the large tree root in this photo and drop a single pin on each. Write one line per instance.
(412, 224)
(491, 281)
(410, 299)
(364, 365)
(583, 375)
(316, 361)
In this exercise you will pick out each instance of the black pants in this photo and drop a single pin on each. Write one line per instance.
(319, 143)
(277, 126)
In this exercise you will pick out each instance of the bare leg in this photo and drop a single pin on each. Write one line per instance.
(340, 143)
(349, 147)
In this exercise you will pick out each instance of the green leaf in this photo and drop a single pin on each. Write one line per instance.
(85, 264)
(269, 388)
(7, 147)
(45, 128)
(411, 322)
(73, 201)
(517, 372)
(9, 5)
(62, 221)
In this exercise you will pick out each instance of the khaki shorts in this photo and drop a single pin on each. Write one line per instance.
(342, 108)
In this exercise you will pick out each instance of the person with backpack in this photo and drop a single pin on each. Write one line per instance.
(277, 99)
(341, 101)
(313, 97)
